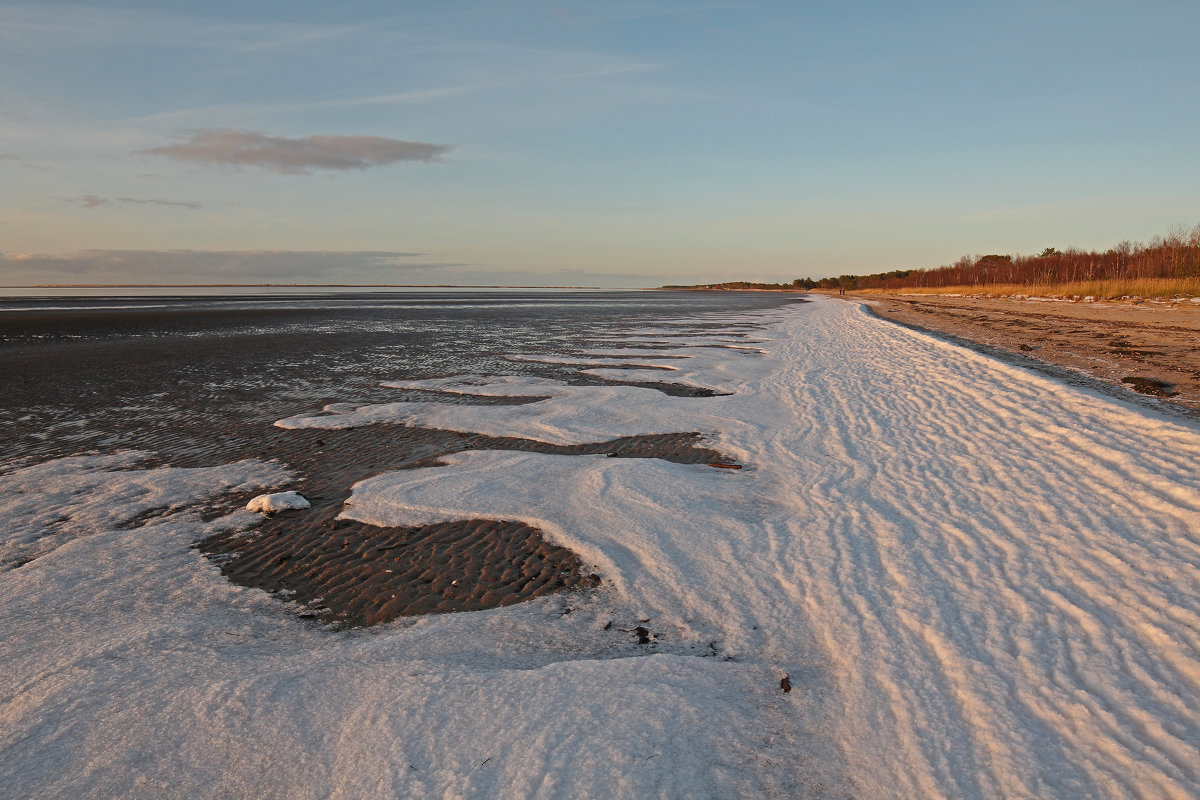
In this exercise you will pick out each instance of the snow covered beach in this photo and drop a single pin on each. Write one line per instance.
(980, 582)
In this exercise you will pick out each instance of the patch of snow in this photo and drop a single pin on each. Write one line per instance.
(279, 501)
(568, 414)
(590, 361)
(648, 376)
(46, 505)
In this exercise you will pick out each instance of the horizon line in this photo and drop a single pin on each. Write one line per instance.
(301, 286)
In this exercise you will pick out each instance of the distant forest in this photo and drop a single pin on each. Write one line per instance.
(1175, 255)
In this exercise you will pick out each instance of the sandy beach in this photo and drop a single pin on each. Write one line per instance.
(1149, 347)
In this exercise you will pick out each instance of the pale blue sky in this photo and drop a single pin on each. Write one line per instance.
(617, 143)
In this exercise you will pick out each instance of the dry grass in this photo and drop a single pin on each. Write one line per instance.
(1146, 287)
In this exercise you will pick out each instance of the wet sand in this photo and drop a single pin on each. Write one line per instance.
(355, 575)
(350, 574)
(1149, 348)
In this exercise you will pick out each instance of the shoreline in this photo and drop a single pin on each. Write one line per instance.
(1136, 351)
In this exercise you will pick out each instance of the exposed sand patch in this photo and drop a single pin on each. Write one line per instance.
(354, 575)
(1151, 348)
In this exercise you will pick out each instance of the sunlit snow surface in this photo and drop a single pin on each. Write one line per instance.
(983, 583)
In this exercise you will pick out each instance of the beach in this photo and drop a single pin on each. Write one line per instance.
(737, 546)
(1147, 346)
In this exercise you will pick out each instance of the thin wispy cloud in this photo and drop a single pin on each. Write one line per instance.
(281, 267)
(410, 58)
(157, 202)
(305, 36)
(215, 146)
(221, 266)
(390, 99)
(395, 98)
(95, 201)
(87, 201)
(34, 25)
(18, 160)
(608, 13)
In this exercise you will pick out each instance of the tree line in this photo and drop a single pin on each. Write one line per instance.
(744, 286)
(1173, 255)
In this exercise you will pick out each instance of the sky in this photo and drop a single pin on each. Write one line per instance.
(623, 143)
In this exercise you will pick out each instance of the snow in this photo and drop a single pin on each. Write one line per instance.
(595, 361)
(585, 503)
(651, 376)
(567, 414)
(981, 582)
(49, 504)
(276, 502)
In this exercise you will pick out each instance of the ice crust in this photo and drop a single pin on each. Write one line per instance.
(982, 582)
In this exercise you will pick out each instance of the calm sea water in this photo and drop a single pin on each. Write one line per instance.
(30, 319)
